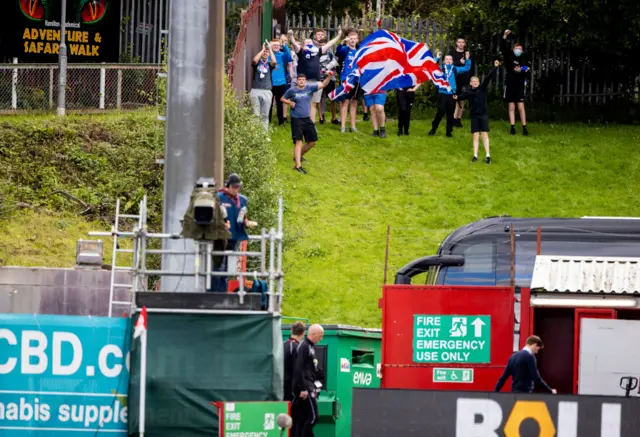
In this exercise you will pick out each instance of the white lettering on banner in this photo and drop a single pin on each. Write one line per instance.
(428, 321)
(29, 352)
(362, 378)
(114, 371)
(92, 414)
(451, 344)
(11, 362)
(483, 417)
(74, 341)
(36, 354)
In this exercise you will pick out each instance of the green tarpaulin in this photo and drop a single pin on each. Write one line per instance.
(196, 359)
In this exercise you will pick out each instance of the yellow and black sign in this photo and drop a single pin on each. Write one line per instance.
(413, 413)
(30, 30)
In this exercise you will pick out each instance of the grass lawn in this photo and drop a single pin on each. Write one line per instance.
(424, 188)
(336, 216)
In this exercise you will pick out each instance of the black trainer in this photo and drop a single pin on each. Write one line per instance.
(449, 135)
(431, 133)
(335, 121)
(487, 160)
(375, 133)
(383, 133)
(365, 117)
(300, 170)
(322, 120)
(406, 133)
(475, 158)
(525, 132)
(513, 130)
(400, 133)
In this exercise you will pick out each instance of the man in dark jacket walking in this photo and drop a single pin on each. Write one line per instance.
(290, 355)
(523, 369)
(305, 376)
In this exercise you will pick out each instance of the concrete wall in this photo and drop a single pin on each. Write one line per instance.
(39, 290)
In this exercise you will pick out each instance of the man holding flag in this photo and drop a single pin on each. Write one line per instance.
(385, 61)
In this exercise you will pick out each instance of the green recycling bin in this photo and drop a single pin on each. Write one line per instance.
(349, 356)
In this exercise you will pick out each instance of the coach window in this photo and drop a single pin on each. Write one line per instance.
(479, 265)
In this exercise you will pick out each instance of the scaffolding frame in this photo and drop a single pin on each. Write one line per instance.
(270, 268)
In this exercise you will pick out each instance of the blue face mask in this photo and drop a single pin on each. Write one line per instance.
(517, 52)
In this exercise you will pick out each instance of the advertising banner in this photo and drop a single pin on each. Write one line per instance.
(30, 30)
(413, 413)
(63, 375)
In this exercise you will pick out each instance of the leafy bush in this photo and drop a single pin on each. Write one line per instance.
(45, 162)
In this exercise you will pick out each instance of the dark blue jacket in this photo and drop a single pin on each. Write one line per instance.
(233, 207)
(523, 369)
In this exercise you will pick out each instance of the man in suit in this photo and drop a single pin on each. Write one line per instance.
(523, 369)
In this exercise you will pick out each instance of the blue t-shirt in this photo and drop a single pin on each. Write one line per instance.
(278, 75)
(346, 55)
(302, 97)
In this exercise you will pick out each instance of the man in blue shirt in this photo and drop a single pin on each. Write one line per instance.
(523, 369)
(302, 127)
(236, 206)
(279, 77)
(446, 105)
(345, 53)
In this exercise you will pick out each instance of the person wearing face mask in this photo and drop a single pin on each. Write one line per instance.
(517, 66)
(446, 104)
(309, 65)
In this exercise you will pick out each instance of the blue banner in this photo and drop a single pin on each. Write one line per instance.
(63, 374)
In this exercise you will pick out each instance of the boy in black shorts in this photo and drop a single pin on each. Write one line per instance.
(476, 94)
(302, 127)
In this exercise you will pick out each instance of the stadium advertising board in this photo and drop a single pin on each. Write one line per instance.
(392, 412)
(63, 375)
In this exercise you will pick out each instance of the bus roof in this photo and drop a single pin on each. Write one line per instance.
(620, 227)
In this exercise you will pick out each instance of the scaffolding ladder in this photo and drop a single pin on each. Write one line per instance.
(269, 255)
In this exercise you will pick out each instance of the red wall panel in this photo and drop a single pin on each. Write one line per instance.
(400, 304)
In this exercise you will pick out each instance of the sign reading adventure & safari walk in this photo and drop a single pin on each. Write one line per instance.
(30, 30)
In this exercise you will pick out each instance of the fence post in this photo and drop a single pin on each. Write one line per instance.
(14, 87)
(50, 87)
(119, 91)
(103, 77)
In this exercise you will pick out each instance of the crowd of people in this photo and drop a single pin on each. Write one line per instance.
(297, 76)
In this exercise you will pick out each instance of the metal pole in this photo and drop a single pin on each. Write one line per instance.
(218, 36)
(386, 255)
(279, 265)
(513, 257)
(62, 62)
(14, 87)
(195, 117)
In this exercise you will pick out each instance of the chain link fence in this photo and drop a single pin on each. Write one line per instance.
(90, 87)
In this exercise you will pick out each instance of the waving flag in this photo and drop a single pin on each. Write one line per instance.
(385, 61)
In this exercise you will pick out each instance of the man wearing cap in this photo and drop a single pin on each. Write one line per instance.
(236, 207)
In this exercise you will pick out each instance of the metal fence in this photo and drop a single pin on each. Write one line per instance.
(566, 79)
(34, 87)
(145, 24)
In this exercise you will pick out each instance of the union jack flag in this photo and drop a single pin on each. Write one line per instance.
(385, 61)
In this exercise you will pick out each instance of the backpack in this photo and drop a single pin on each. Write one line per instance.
(216, 231)
(261, 287)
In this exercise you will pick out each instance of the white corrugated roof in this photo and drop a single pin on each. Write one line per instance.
(583, 274)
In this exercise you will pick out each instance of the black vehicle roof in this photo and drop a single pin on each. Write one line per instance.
(616, 228)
